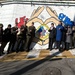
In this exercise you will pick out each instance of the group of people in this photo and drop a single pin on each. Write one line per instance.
(19, 39)
(62, 36)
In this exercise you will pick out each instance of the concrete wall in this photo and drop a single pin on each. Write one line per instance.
(37, 13)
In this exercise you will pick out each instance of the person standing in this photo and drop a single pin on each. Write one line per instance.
(73, 39)
(13, 38)
(1, 36)
(68, 37)
(63, 43)
(24, 35)
(6, 37)
(21, 41)
(59, 31)
(30, 36)
(52, 36)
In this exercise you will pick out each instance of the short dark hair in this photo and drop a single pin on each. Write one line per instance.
(9, 25)
(32, 22)
(1, 25)
(52, 23)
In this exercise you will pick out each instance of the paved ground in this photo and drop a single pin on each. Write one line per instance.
(55, 66)
(37, 55)
(44, 62)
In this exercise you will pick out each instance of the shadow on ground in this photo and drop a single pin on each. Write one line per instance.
(35, 64)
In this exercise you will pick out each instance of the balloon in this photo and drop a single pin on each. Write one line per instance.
(65, 19)
(61, 16)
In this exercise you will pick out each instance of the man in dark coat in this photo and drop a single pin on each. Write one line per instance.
(52, 36)
(1, 32)
(30, 36)
(13, 38)
(6, 37)
(21, 41)
(59, 31)
(1, 36)
(63, 43)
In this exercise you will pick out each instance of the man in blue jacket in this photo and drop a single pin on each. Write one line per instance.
(59, 31)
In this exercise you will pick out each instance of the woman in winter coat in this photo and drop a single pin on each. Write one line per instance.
(68, 37)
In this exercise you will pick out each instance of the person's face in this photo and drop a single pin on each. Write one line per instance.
(73, 28)
(52, 25)
(69, 27)
(9, 27)
(60, 23)
(15, 26)
(65, 27)
(32, 24)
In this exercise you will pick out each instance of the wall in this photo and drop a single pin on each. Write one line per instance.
(40, 15)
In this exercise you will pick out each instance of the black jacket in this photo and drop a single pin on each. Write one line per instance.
(7, 35)
(14, 31)
(23, 32)
(52, 33)
(31, 31)
(1, 35)
(64, 35)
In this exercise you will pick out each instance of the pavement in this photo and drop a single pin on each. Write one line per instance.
(37, 55)
(44, 62)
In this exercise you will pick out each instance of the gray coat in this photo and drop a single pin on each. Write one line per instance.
(69, 35)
